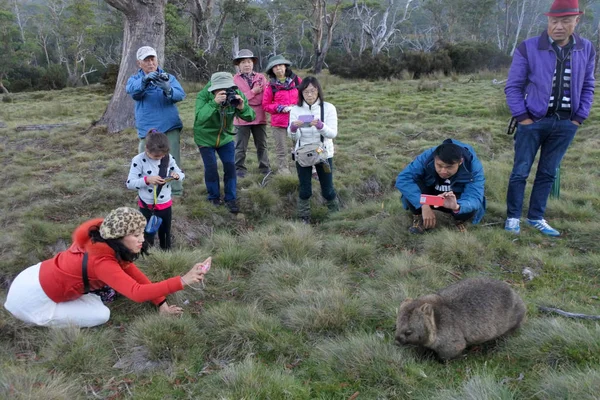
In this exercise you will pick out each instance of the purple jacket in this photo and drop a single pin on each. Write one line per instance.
(529, 83)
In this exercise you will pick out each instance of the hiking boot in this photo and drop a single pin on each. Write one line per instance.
(305, 220)
(417, 225)
(333, 205)
(460, 226)
(233, 207)
(542, 226)
(512, 225)
(215, 202)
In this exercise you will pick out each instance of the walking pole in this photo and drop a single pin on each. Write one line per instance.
(555, 192)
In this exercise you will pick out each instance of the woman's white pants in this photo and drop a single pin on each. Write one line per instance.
(27, 301)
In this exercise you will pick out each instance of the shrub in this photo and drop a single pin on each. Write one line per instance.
(470, 57)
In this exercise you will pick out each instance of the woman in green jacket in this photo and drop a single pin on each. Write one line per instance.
(216, 106)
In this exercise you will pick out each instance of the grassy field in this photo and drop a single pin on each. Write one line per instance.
(292, 311)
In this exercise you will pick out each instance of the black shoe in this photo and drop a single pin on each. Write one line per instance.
(233, 207)
(215, 202)
(417, 225)
(305, 220)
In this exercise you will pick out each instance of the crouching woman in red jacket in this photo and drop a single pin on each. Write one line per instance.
(55, 292)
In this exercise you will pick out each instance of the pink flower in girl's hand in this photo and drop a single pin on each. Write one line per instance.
(205, 266)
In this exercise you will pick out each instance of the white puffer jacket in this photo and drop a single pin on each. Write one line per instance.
(312, 134)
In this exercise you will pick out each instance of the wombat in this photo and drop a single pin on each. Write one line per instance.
(468, 312)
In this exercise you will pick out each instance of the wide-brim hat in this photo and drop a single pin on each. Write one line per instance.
(221, 80)
(564, 8)
(242, 54)
(277, 60)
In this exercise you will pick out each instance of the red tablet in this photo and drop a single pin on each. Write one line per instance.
(432, 200)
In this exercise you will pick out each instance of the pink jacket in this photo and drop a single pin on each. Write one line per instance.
(282, 97)
(254, 100)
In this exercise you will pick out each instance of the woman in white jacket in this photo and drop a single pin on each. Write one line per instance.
(313, 121)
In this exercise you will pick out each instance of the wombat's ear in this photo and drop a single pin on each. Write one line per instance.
(406, 302)
(427, 309)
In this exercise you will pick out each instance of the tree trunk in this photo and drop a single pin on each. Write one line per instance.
(144, 26)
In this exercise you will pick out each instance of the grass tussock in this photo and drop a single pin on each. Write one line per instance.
(557, 343)
(461, 251)
(364, 359)
(164, 337)
(574, 384)
(253, 380)
(233, 331)
(79, 351)
(20, 383)
(479, 387)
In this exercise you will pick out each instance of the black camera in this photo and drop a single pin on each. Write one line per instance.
(163, 76)
(231, 99)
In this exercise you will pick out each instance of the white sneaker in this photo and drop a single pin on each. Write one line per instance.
(513, 225)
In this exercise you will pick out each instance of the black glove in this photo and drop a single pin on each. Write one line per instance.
(152, 76)
(164, 85)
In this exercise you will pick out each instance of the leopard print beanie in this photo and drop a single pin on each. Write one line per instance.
(121, 222)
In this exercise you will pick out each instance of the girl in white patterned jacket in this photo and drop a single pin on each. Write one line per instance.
(150, 174)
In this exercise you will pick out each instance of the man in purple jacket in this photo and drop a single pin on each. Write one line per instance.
(549, 91)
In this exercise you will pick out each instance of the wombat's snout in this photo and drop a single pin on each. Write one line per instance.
(399, 341)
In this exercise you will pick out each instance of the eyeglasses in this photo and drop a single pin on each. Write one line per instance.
(310, 91)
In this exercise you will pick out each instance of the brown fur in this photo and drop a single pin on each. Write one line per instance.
(468, 312)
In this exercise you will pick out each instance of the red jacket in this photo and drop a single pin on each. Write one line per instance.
(61, 276)
(281, 97)
(254, 99)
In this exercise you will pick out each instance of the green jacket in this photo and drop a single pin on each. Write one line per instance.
(213, 124)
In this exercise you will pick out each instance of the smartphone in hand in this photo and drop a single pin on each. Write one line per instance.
(205, 266)
(306, 119)
(169, 178)
(431, 200)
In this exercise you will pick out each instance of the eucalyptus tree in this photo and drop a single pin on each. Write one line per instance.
(144, 25)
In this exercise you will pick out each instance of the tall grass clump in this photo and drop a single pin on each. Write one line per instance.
(479, 387)
(79, 351)
(164, 337)
(556, 343)
(364, 360)
(252, 380)
(583, 384)
(229, 252)
(161, 264)
(17, 383)
(234, 331)
(349, 251)
(459, 250)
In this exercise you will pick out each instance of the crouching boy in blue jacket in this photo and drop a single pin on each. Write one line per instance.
(450, 171)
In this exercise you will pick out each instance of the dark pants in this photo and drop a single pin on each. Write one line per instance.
(164, 231)
(325, 179)
(211, 173)
(553, 136)
(431, 190)
(242, 137)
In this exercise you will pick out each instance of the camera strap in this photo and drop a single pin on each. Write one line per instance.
(84, 274)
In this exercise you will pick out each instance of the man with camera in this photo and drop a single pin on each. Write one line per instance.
(155, 93)
(447, 178)
(216, 106)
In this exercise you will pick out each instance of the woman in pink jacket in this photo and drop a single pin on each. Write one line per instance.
(280, 96)
(252, 84)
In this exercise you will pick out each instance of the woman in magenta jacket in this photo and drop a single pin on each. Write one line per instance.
(279, 97)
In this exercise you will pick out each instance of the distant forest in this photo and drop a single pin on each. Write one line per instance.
(58, 43)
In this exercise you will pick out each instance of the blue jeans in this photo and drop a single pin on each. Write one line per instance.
(325, 179)
(211, 173)
(553, 136)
